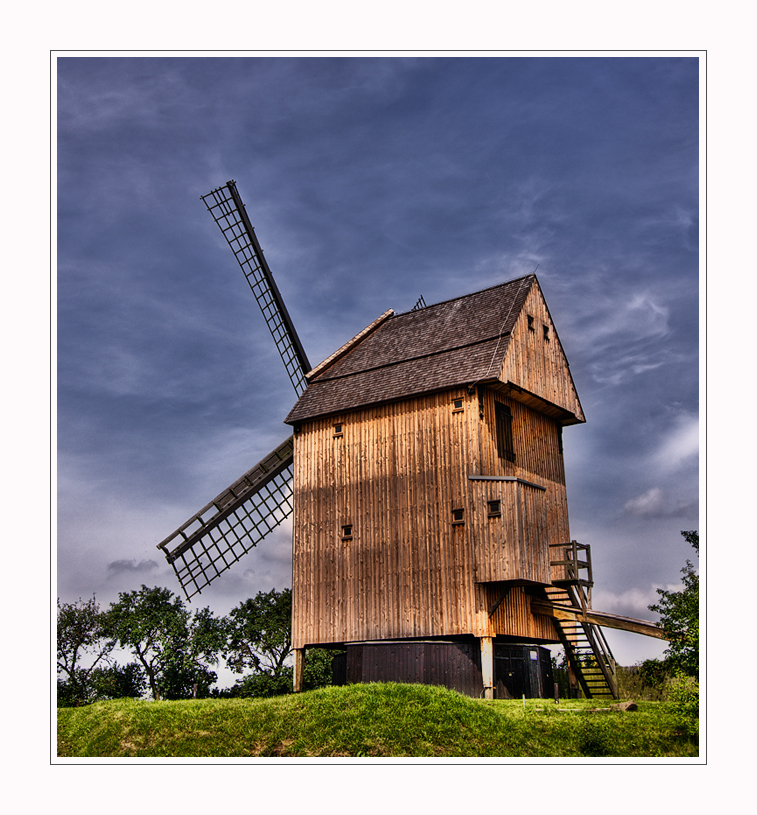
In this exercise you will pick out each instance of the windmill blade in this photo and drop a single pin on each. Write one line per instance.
(229, 526)
(228, 211)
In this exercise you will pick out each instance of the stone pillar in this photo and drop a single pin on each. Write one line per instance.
(487, 666)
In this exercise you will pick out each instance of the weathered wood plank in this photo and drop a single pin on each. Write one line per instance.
(396, 473)
(600, 618)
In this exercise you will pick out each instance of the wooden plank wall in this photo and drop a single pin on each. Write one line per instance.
(395, 474)
(536, 439)
(536, 364)
(514, 544)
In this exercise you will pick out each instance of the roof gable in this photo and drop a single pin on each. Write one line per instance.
(462, 341)
(536, 365)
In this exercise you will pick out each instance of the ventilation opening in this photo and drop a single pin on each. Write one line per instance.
(347, 532)
(458, 517)
(504, 423)
(546, 332)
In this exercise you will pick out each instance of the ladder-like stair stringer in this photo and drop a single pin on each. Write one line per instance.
(586, 649)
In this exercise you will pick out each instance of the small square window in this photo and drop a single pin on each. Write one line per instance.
(338, 430)
(495, 509)
(347, 532)
(457, 404)
(458, 516)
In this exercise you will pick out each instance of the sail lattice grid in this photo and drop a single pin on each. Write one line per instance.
(229, 213)
(233, 523)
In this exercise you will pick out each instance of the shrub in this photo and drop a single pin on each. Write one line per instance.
(683, 701)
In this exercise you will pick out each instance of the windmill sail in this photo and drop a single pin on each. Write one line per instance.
(228, 211)
(236, 520)
(254, 505)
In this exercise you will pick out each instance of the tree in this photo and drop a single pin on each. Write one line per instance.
(260, 633)
(81, 639)
(318, 668)
(679, 617)
(259, 639)
(118, 682)
(186, 673)
(172, 647)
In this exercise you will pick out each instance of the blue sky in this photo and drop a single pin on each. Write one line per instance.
(370, 182)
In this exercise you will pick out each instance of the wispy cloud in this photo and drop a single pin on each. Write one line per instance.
(633, 602)
(654, 503)
(680, 444)
(622, 336)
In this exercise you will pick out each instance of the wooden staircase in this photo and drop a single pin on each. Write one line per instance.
(590, 660)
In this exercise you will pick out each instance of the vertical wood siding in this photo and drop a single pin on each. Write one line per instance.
(536, 364)
(537, 459)
(395, 475)
(512, 545)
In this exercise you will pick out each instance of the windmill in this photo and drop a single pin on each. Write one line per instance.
(425, 474)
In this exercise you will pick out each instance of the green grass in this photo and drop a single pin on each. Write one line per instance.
(368, 720)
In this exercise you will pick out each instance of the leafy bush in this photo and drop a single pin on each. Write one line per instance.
(683, 701)
(261, 685)
(648, 680)
(118, 682)
(264, 685)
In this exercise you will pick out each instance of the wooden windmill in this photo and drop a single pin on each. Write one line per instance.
(425, 473)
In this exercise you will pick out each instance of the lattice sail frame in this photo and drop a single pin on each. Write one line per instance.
(227, 528)
(228, 211)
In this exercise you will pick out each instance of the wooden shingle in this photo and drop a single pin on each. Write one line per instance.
(458, 342)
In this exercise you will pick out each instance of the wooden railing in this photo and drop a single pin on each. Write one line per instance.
(585, 644)
(575, 560)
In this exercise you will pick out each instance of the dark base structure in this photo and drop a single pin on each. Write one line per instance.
(519, 670)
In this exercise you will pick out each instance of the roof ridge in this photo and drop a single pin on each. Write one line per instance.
(349, 345)
(469, 294)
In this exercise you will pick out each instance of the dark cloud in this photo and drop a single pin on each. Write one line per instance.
(131, 567)
(370, 182)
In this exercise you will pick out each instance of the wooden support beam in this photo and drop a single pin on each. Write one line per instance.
(487, 666)
(644, 627)
(499, 600)
(299, 669)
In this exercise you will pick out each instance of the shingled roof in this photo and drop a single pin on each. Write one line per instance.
(446, 345)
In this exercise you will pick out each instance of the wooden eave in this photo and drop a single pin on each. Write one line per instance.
(560, 414)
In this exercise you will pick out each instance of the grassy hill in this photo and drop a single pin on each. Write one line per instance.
(369, 720)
